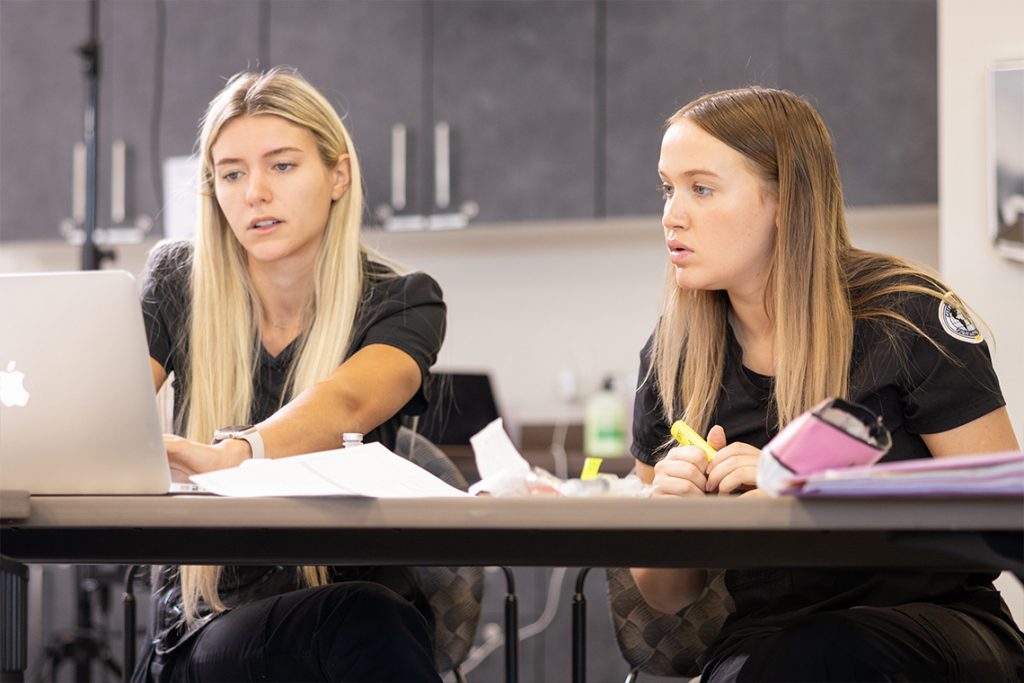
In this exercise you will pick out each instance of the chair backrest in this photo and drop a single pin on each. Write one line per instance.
(666, 644)
(454, 593)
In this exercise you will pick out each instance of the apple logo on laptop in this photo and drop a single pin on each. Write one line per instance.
(12, 387)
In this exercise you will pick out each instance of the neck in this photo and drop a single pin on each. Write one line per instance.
(284, 294)
(754, 331)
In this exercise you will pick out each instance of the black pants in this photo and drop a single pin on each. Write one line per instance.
(915, 642)
(357, 632)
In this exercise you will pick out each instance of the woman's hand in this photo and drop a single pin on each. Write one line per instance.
(734, 468)
(191, 457)
(681, 473)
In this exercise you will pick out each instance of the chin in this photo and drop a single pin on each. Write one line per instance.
(685, 280)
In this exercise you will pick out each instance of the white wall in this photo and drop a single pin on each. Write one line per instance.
(973, 35)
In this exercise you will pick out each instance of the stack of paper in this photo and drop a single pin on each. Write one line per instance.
(997, 474)
(367, 470)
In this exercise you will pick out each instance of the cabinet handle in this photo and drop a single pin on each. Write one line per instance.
(442, 165)
(118, 161)
(398, 174)
(78, 184)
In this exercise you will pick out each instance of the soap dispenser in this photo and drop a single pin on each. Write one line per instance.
(604, 423)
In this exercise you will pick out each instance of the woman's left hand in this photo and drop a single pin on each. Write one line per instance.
(193, 457)
(734, 468)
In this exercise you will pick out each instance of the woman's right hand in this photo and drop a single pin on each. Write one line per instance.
(683, 470)
(191, 457)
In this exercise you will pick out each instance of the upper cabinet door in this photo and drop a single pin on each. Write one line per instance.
(515, 82)
(868, 66)
(42, 96)
(871, 70)
(367, 57)
(661, 55)
(162, 64)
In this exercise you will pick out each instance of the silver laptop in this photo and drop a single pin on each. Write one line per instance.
(77, 408)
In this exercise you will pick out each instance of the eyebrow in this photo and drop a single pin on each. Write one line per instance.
(271, 153)
(693, 172)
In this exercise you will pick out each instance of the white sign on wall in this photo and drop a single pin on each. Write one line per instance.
(181, 196)
(1006, 157)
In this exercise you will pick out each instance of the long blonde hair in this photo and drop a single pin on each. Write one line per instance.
(223, 335)
(818, 283)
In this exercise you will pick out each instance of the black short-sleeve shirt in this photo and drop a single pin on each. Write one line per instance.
(918, 387)
(917, 384)
(406, 312)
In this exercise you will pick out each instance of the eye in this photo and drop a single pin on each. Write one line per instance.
(232, 176)
(701, 190)
(665, 190)
(284, 166)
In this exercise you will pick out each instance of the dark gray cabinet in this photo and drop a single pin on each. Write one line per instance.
(41, 99)
(870, 66)
(153, 98)
(554, 108)
(516, 83)
(367, 57)
(871, 69)
(150, 99)
(513, 81)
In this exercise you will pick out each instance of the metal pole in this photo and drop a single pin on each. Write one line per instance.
(92, 256)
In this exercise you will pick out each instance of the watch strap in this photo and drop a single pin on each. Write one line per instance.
(252, 435)
(248, 433)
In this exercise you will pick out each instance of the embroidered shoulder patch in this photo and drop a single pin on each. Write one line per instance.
(956, 322)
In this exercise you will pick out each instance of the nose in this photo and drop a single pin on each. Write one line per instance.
(674, 216)
(258, 190)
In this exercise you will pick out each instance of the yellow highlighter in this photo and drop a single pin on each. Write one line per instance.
(685, 435)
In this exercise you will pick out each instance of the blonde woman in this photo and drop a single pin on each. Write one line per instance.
(768, 310)
(284, 332)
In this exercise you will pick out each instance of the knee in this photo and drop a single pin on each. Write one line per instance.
(375, 608)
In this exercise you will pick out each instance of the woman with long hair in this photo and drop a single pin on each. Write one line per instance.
(284, 332)
(768, 310)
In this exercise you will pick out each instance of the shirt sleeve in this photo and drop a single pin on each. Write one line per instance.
(407, 312)
(650, 431)
(947, 379)
(163, 293)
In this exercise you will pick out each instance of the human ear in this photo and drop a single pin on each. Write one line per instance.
(342, 177)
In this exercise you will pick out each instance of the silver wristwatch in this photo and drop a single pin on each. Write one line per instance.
(246, 433)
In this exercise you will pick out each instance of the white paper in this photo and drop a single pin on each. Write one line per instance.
(368, 470)
(495, 452)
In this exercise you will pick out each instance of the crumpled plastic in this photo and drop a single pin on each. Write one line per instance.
(504, 472)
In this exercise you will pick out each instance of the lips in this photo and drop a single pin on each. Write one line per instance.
(678, 252)
(264, 222)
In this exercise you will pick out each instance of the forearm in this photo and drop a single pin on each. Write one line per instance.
(669, 590)
(316, 420)
(364, 392)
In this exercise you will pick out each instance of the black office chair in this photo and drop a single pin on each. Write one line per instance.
(461, 404)
(651, 641)
(454, 593)
(457, 633)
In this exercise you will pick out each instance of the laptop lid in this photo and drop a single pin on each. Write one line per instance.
(77, 408)
(461, 404)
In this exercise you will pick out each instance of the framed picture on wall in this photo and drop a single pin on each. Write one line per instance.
(1006, 157)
